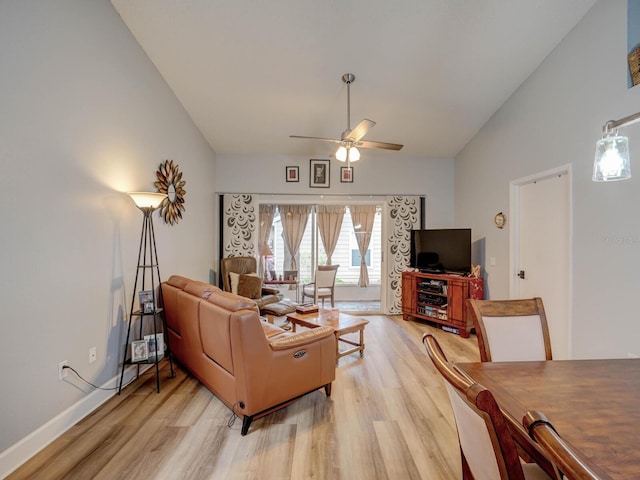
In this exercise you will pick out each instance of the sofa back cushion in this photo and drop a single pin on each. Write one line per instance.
(170, 304)
(186, 320)
(178, 281)
(231, 302)
(170, 289)
(215, 316)
(214, 334)
(200, 289)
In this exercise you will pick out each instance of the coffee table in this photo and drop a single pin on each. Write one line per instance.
(343, 325)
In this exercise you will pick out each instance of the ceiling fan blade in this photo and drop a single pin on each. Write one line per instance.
(360, 130)
(332, 140)
(352, 137)
(372, 144)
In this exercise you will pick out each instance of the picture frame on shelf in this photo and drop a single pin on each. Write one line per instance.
(146, 298)
(319, 173)
(292, 174)
(139, 350)
(346, 174)
(155, 345)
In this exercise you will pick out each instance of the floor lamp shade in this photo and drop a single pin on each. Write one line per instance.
(147, 200)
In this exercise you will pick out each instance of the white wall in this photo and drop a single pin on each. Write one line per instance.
(376, 173)
(553, 119)
(84, 117)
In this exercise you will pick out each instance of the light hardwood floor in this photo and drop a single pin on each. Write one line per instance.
(388, 418)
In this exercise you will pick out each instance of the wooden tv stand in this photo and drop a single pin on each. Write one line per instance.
(440, 298)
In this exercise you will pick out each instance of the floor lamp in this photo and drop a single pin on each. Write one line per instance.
(148, 273)
(265, 251)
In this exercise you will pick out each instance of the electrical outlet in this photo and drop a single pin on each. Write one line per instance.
(62, 372)
(92, 354)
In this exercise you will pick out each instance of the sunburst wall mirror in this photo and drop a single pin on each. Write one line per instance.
(170, 183)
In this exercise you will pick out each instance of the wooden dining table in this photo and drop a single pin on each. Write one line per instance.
(593, 404)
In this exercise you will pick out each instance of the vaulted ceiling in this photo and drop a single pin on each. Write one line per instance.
(429, 72)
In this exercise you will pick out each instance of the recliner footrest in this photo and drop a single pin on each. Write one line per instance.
(278, 309)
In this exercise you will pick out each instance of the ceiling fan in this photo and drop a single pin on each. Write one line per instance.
(352, 137)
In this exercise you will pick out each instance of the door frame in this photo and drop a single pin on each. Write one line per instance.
(514, 235)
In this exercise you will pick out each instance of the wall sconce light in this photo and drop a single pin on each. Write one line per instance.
(612, 162)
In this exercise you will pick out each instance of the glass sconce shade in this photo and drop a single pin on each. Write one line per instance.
(147, 200)
(612, 159)
(352, 152)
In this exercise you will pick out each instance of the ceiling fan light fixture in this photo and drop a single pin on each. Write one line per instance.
(352, 154)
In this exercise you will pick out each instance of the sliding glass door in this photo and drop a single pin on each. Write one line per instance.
(311, 251)
(386, 256)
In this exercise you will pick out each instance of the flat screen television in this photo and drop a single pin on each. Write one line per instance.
(441, 250)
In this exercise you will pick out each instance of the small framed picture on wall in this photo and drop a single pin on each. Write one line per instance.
(319, 173)
(346, 174)
(293, 174)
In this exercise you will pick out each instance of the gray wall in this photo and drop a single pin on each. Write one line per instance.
(554, 119)
(84, 117)
(376, 173)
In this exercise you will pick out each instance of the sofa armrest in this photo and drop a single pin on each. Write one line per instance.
(270, 373)
(302, 338)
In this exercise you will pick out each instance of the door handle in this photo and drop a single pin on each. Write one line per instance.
(521, 274)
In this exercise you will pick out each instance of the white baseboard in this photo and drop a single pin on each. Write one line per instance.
(20, 452)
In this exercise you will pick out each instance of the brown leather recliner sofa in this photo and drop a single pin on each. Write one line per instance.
(252, 366)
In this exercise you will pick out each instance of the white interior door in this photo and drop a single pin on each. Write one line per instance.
(542, 228)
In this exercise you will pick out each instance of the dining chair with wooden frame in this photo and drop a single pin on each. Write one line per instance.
(511, 330)
(567, 463)
(487, 449)
(323, 285)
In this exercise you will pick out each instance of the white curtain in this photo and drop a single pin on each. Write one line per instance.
(266, 213)
(294, 222)
(266, 222)
(362, 217)
(329, 224)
